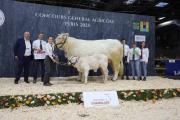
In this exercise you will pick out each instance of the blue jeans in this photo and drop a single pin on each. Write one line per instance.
(143, 68)
(135, 66)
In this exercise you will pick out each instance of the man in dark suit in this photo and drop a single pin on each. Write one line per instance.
(23, 55)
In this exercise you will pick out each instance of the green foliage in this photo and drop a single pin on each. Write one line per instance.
(66, 98)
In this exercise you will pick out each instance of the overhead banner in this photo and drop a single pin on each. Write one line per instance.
(17, 17)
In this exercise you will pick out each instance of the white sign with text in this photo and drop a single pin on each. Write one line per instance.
(140, 38)
(100, 98)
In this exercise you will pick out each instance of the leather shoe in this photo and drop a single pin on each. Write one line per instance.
(144, 79)
(26, 81)
(15, 82)
(47, 84)
(50, 83)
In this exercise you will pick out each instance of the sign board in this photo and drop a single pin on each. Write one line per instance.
(172, 68)
(100, 98)
(172, 61)
(140, 38)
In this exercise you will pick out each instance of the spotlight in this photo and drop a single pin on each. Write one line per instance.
(161, 4)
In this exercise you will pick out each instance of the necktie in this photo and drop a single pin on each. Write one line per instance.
(40, 45)
(52, 47)
(133, 54)
(123, 50)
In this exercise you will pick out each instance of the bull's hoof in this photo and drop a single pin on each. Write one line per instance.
(113, 79)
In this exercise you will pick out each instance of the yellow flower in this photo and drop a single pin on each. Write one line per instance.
(30, 98)
(141, 90)
(155, 97)
(13, 105)
(174, 94)
(54, 103)
(12, 96)
(45, 98)
(59, 100)
(18, 105)
(27, 102)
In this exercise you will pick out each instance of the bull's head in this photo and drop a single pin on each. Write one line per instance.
(73, 60)
(61, 39)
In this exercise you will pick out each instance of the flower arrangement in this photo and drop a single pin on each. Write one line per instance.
(15, 101)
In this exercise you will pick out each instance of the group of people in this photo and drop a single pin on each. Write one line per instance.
(38, 51)
(137, 58)
(42, 54)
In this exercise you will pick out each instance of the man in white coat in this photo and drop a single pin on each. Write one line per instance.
(134, 59)
(39, 56)
(125, 63)
(144, 60)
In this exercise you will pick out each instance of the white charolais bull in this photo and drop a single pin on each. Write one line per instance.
(112, 48)
(92, 62)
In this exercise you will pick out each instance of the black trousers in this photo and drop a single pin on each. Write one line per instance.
(23, 65)
(126, 66)
(37, 63)
(49, 67)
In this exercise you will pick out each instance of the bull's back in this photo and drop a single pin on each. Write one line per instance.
(107, 47)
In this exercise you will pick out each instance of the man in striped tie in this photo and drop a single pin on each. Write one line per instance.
(39, 56)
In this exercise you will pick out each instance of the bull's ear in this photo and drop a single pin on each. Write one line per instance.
(59, 34)
(67, 34)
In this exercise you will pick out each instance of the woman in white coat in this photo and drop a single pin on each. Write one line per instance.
(144, 60)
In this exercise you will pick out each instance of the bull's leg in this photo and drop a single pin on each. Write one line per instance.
(105, 74)
(80, 77)
(86, 76)
(116, 66)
